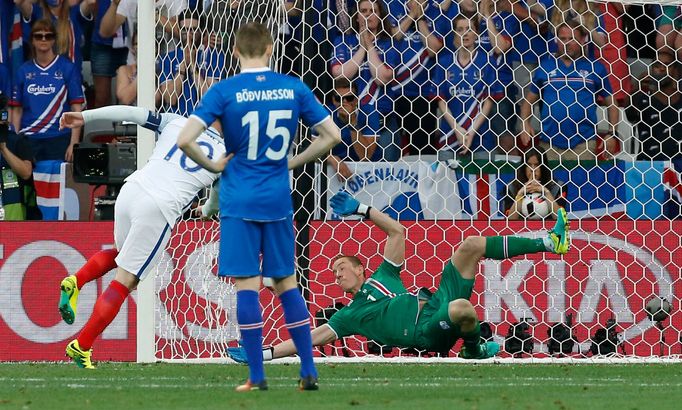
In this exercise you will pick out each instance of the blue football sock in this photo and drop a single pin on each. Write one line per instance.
(297, 320)
(251, 328)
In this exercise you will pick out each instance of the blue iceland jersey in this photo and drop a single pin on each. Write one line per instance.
(412, 76)
(569, 99)
(508, 26)
(529, 44)
(6, 20)
(5, 83)
(259, 111)
(370, 92)
(464, 89)
(45, 93)
(210, 63)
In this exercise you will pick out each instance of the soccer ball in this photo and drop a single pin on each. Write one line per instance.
(658, 309)
(535, 206)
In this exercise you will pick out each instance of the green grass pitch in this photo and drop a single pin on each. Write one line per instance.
(124, 386)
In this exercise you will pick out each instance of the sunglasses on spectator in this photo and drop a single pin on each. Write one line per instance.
(44, 36)
(346, 98)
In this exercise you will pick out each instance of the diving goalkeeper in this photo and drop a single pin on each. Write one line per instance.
(383, 310)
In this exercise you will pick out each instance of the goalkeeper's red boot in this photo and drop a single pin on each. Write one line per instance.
(308, 383)
(248, 386)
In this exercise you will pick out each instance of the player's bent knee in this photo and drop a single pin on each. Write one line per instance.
(126, 278)
(461, 310)
(471, 249)
(473, 245)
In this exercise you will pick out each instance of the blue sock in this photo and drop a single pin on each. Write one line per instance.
(297, 320)
(251, 328)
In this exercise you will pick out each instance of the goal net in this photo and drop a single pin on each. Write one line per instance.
(442, 135)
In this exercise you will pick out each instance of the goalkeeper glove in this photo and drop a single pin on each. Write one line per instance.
(238, 354)
(344, 204)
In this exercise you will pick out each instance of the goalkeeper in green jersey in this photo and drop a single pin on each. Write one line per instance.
(383, 310)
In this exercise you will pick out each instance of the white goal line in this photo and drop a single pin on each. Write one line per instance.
(672, 359)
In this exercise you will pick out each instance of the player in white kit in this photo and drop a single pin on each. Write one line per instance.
(152, 199)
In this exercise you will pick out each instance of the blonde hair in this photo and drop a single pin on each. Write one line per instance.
(63, 29)
(586, 14)
(253, 40)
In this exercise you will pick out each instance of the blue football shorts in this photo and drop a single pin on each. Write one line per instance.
(243, 242)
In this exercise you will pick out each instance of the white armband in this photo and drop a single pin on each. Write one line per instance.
(363, 210)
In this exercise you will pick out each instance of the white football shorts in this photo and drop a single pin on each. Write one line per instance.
(140, 230)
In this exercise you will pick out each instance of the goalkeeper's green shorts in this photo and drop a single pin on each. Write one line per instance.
(435, 331)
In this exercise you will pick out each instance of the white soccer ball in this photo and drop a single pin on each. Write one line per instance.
(658, 309)
(534, 206)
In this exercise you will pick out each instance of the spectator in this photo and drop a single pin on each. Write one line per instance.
(656, 112)
(606, 45)
(125, 11)
(10, 12)
(44, 88)
(355, 145)
(497, 29)
(531, 42)
(570, 85)
(107, 54)
(5, 84)
(669, 31)
(186, 73)
(339, 15)
(417, 39)
(224, 17)
(466, 89)
(588, 16)
(365, 55)
(126, 79)
(533, 176)
(69, 22)
(16, 164)
(291, 33)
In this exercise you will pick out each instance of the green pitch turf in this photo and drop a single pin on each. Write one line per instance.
(357, 386)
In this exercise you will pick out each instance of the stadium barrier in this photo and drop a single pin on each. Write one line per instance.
(615, 268)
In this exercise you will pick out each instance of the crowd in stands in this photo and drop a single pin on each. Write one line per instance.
(405, 77)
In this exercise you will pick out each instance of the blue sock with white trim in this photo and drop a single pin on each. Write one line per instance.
(297, 320)
(251, 328)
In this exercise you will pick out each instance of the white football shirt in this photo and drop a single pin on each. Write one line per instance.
(170, 177)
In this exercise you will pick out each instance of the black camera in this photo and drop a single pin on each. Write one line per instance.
(104, 163)
(519, 339)
(605, 340)
(4, 118)
(561, 339)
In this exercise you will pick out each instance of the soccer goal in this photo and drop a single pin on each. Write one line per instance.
(614, 297)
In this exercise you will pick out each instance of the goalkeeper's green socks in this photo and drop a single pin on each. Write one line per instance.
(504, 247)
(472, 338)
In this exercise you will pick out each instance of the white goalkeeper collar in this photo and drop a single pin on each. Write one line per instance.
(255, 70)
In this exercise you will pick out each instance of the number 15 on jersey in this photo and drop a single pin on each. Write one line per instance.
(252, 120)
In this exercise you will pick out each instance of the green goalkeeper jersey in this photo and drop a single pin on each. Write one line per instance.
(382, 310)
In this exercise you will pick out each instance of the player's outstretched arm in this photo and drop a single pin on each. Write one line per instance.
(321, 336)
(328, 136)
(394, 251)
(113, 113)
(187, 142)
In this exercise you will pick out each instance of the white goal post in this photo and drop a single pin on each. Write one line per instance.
(623, 257)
